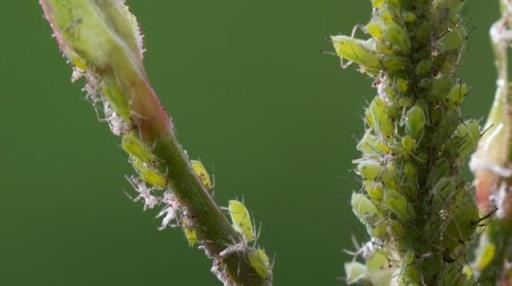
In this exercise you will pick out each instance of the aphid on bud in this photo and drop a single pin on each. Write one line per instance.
(370, 144)
(415, 121)
(241, 220)
(190, 235)
(457, 94)
(462, 226)
(423, 67)
(133, 146)
(356, 272)
(452, 41)
(466, 137)
(364, 209)
(369, 169)
(201, 172)
(358, 51)
(149, 174)
(440, 87)
(378, 117)
(259, 260)
(374, 189)
(443, 193)
(398, 205)
(408, 144)
(115, 98)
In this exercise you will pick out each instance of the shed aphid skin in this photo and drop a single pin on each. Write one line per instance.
(414, 199)
(241, 220)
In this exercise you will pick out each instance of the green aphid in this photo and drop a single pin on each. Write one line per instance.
(149, 174)
(397, 37)
(241, 220)
(110, 89)
(378, 230)
(370, 144)
(364, 209)
(190, 235)
(464, 222)
(379, 269)
(453, 41)
(440, 169)
(394, 63)
(358, 51)
(259, 260)
(402, 85)
(457, 94)
(415, 121)
(409, 17)
(377, 117)
(369, 169)
(410, 171)
(443, 194)
(135, 147)
(390, 175)
(356, 272)
(374, 189)
(408, 145)
(440, 87)
(423, 67)
(466, 137)
(423, 32)
(398, 205)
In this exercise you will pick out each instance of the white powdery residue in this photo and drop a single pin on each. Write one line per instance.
(77, 74)
(144, 193)
(91, 88)
(115, 122)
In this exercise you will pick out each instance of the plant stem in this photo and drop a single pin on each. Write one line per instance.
(491, 166)
(416, 206)
(102, 40)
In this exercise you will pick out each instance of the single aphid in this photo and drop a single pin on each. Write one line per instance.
(190, 235)
(356, 272)
(415, 121)
(135, 147)
(259, 260)
(241, 220)
(203, 175)
(149, 174)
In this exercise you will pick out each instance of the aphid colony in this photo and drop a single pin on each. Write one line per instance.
(151, 180)
(142, 160)
(101, 39)
(414, 203)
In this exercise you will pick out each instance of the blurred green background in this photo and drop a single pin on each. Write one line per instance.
(252, 96)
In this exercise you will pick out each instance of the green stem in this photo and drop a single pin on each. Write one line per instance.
(492, 167)
(415, 203)
(101, 39)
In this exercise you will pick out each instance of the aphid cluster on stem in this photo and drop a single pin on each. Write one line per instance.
(101, 39)
(414, 202)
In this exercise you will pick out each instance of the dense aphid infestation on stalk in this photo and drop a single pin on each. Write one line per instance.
(101, 39)
(418, 210)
